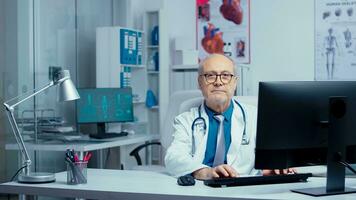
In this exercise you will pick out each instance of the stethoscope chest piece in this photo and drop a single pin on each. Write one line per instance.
(201, 126)
(245, 140)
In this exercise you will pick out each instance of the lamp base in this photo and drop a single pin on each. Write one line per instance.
(36, 177)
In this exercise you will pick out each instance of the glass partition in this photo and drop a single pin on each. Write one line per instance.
(34, 35)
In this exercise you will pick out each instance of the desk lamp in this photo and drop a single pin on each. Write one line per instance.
(67, 92)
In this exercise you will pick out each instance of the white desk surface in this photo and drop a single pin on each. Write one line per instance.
(125, 184)
(83, 146)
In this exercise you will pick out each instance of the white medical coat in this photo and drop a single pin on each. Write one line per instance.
(179, 160)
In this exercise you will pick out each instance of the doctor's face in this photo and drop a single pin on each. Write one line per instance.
(217, 81)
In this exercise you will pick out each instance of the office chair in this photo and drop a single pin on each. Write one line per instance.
(176, 99)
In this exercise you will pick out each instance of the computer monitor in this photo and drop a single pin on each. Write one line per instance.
(307, 122)
(104, 105)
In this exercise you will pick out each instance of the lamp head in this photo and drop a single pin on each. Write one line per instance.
(67, 90)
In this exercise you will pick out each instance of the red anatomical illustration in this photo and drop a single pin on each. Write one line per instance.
(232, 11)
(212, 41)
(240, 47)
(203, 10)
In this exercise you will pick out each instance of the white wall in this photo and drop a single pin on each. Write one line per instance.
(282, 41)
(181, 18)
(129, 13)
(282, 38)
(182, 24)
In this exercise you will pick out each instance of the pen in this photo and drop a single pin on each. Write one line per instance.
(76, 159)
(87, 157)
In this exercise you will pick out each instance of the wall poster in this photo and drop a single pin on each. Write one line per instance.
(223, 26)
(335, 40)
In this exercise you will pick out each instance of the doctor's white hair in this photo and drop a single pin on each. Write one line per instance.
(201, 64)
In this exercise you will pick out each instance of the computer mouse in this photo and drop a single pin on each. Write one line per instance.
(186, 180)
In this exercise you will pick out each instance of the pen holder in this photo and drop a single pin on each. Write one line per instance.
(77, 172)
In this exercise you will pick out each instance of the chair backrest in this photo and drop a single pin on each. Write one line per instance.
(190, 103)
(250, 100)
(194, 99)
(176, 99)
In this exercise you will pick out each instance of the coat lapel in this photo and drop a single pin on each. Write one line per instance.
(201, 136)
(237, 127)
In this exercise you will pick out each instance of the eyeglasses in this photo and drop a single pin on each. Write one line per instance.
(225, 78)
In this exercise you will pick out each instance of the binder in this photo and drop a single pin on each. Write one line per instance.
(139, 48)
(124, 36)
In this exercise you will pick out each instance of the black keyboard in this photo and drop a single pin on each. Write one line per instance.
(108, 135)
(257, 180)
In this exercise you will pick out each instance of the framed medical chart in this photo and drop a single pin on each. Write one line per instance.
(223, 26)
(335, 39)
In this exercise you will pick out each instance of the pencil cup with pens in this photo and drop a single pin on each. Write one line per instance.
(76, 168)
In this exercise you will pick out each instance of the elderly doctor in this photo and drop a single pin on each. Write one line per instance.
(216, 139)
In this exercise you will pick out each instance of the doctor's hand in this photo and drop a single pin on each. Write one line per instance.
(215, 172)
(269, 172)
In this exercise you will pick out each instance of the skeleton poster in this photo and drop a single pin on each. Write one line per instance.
(335, 40)
(223, 27)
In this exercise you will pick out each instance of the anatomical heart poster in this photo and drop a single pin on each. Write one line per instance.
(335, 40)
(223, 26)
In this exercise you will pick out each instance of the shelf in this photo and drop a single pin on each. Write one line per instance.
(185, 67)
(152, 72)
(138, 102)
(133, 66)
(154, 108)
(152, 46)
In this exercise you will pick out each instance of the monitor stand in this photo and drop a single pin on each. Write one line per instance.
(337, 142)
(101, 129)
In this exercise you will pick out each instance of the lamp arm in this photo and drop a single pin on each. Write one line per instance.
(15, 128)
(19, 139)
(50, 84)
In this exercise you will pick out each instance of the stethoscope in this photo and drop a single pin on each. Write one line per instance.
(200, 122)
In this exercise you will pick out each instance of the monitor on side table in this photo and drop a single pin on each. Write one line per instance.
(104, 105)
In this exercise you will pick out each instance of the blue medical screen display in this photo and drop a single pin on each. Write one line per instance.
(98, 105)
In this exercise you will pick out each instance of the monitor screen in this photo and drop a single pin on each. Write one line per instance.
(300, 122)
(104, 105)
(290, 121)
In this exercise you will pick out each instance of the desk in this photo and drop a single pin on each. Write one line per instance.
(84, 146)
(126, 184)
